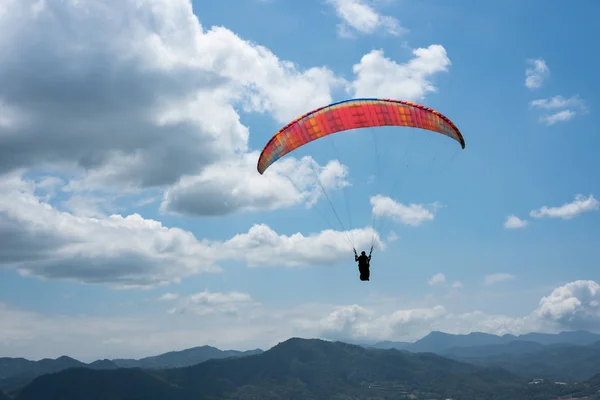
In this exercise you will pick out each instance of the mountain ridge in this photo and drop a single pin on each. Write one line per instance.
(304, 369)
(508, 351)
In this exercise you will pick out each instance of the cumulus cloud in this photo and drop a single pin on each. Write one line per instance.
(38, 239)
(132, 102)
(556, 102)
(392, 237)
(571, 107)
(234, 185)
(514, 222)
(136, 99)
(358, 16)
(168, 297)
(497, 278)
(353, 322)
(560, 116)
(207, 302)
(575, 305)
(358, 323)
(235, 320)
(437, 279)
(412, 214)
(379, 76)
(457, 285)
(536, 73)
(262, 246)
(580, 205)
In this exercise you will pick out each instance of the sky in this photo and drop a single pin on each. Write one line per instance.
(133, 220)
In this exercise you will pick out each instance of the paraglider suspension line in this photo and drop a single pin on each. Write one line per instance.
(331, 204)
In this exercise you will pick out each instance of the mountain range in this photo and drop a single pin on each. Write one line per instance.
(470, 365)
(15, 372)
(305, 369)
(440, 342)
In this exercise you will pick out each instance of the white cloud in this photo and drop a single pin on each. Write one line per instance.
(556, 102)
(514, 222)
(40, 240)
(166, 114)
(169, 297)
(262, 246)
(412, 214)
(572, 107)
(575, 305)
(536, 73)
(207, 302)
(235, 185)
(560, 116)
(359, 16)
(392, 237)
(378, 76)
(437, 279)
(136, 99)
(580, 205)
(235, 320)
(497, 278)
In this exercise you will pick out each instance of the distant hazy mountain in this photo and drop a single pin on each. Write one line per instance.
(15, 372)
(391, 345)
(440, 342)
(295, 369)
(555, 361)
(567, 355)
(183, 358)
(514, 347)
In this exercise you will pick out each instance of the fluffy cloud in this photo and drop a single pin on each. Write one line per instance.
(575, 305)
(262, 246)
(38, 239)
(556, 102)
(141, 96)
(169, 297)
(580, 205)
(235, 320)
(560, 116)
(359, 16)
(571, 107)
(235, 185)
(514, 222)
(457, 285)
(536, 73)
(437, 279)
(142, 99)
(207, 302)
(497, 278)
(412, 214)
(379, 76)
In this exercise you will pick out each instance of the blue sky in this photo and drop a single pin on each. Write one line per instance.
(134, 221)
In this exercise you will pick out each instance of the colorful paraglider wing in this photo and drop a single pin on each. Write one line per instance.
(353, 114)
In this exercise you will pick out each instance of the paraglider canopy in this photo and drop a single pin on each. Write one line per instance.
(353, 114)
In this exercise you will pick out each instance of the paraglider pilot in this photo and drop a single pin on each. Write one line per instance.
(363, 264)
